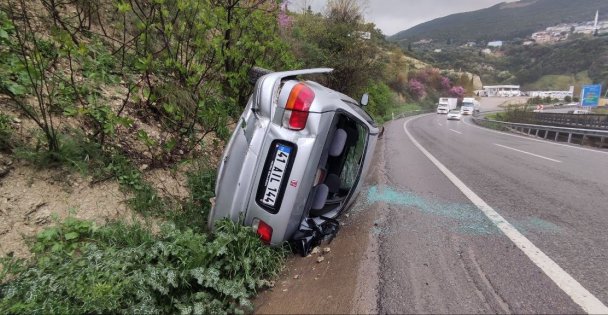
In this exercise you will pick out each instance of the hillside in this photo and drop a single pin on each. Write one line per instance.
(538, 66)
(504, 21)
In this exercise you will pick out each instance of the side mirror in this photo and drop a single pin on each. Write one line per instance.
(364, 99)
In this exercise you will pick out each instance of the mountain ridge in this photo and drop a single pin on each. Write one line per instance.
(504, 21)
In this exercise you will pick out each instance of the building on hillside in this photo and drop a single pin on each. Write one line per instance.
(501, 90)
(495, 44)
(560, 95)
(549, 37)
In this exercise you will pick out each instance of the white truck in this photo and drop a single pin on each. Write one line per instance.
(469, 106)
(446, 104)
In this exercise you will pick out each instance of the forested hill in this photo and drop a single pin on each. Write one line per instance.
(505, 21)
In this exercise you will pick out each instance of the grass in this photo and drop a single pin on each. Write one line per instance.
(559, 82)
(401, 109)
(6, 132)
(79, 267)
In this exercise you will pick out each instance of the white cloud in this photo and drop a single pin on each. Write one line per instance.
(392, 16)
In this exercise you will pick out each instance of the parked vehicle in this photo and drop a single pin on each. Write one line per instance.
(454, 114)
(469, 106)
(295, 161)
(446, 104)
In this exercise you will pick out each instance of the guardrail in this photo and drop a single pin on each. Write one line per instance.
(592, 137)
(412, 113)
(586, 121)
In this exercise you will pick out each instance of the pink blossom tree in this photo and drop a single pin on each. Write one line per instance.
(416, 88)
(284, 19)
(446, 84)
(457, 91)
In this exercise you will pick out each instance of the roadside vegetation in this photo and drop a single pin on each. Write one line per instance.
(116, 90)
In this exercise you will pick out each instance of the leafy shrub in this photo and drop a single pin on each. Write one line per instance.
(118, 268)
(6, 132)
(381, 100)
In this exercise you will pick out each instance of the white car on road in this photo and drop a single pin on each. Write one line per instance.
(454, 114)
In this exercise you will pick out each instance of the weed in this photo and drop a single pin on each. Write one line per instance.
(119, 268)
(75, 151)
(145, 200)
(6, 133)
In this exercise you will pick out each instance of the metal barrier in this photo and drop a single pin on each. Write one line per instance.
(592, 137)
(412, 113)
(586, 121)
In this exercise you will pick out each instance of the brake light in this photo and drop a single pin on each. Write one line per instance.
(298, 105)
(263, 230)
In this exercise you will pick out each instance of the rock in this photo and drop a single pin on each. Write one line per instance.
(320, 259)
(347, 215)
(16, 120)
(4, 171)
(284, 290)
(35, 208)
(144, 167)
(326, 250)
(41, 220)
(296, 277)
(315, 250)
(8, 162)
(181, 152)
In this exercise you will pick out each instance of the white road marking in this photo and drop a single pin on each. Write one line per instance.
(581, 296)
(456, 131)
(532, 139)
(526, 152)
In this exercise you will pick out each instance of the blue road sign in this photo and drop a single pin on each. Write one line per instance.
(590, 95)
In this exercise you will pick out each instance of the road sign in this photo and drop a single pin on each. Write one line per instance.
(590, 95)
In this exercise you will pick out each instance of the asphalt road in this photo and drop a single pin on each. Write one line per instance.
(439, 252)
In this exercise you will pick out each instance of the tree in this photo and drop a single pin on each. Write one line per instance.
(334, 40)
(29, 69)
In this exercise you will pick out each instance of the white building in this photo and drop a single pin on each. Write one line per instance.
(501, 90)
(560, 95)
(495, 44)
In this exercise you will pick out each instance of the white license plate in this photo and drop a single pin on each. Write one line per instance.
(276, 174)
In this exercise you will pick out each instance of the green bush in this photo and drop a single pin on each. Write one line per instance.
(78, 268)
(6, 133)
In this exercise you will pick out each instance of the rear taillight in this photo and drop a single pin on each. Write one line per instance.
(263, 230)
(297, 106)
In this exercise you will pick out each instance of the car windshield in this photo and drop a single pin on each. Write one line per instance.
(454, 111)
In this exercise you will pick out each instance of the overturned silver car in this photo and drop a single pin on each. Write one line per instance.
(295, 161)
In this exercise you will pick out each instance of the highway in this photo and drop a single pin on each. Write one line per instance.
(440, 249)
(456, 218)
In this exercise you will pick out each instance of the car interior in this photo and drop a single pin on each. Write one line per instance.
(340, 162)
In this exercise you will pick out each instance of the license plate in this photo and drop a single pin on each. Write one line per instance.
(276, 174)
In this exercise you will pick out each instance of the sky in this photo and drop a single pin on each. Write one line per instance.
(392, 16)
